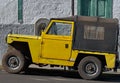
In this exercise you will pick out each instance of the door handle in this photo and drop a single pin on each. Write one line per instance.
(66, 45)
(42, 42)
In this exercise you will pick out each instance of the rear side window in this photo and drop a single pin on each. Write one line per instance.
(93, 32)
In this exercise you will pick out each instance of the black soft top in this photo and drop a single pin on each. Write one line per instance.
(94, 33)
(88, 19)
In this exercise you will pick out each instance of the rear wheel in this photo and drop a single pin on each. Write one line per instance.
(90, 68)
(13, 61)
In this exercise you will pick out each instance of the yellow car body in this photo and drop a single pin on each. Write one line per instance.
(57, 49)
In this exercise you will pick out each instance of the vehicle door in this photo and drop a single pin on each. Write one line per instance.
(57, 40)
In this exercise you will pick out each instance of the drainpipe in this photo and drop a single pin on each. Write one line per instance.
(20, 11)
(72, 5)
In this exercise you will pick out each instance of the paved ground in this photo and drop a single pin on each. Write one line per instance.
(36, 75)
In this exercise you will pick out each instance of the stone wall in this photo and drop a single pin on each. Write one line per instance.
(13, 28)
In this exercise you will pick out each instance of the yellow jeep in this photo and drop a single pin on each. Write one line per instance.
(86, 44)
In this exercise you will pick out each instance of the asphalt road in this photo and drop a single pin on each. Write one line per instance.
(54, 76)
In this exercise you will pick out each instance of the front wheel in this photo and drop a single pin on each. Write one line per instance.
(13, 62)
(90, 68)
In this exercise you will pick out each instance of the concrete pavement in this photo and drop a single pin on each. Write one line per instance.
(54, 76)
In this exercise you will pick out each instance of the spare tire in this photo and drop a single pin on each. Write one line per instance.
(40, 25)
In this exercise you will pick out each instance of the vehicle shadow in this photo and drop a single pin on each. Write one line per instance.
(110, 77)
(105, 77)
(52, 72)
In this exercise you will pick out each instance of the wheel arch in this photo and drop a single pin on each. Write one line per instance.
(23, 47)
(81, 56)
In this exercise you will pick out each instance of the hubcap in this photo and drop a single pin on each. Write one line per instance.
(91, 68)
(13, 62)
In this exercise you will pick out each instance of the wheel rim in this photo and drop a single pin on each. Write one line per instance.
(91, 68)
(13, 62)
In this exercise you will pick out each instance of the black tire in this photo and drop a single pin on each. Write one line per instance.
(90, 68)
(13, 61)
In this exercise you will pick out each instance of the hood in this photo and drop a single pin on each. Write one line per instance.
(21, 38)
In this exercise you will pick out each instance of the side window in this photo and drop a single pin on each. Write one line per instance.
(93, 32)
(58, 28)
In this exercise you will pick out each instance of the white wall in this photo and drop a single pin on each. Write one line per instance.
(116, 9)
(8, 11)
(116, 14)
(33, 9)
